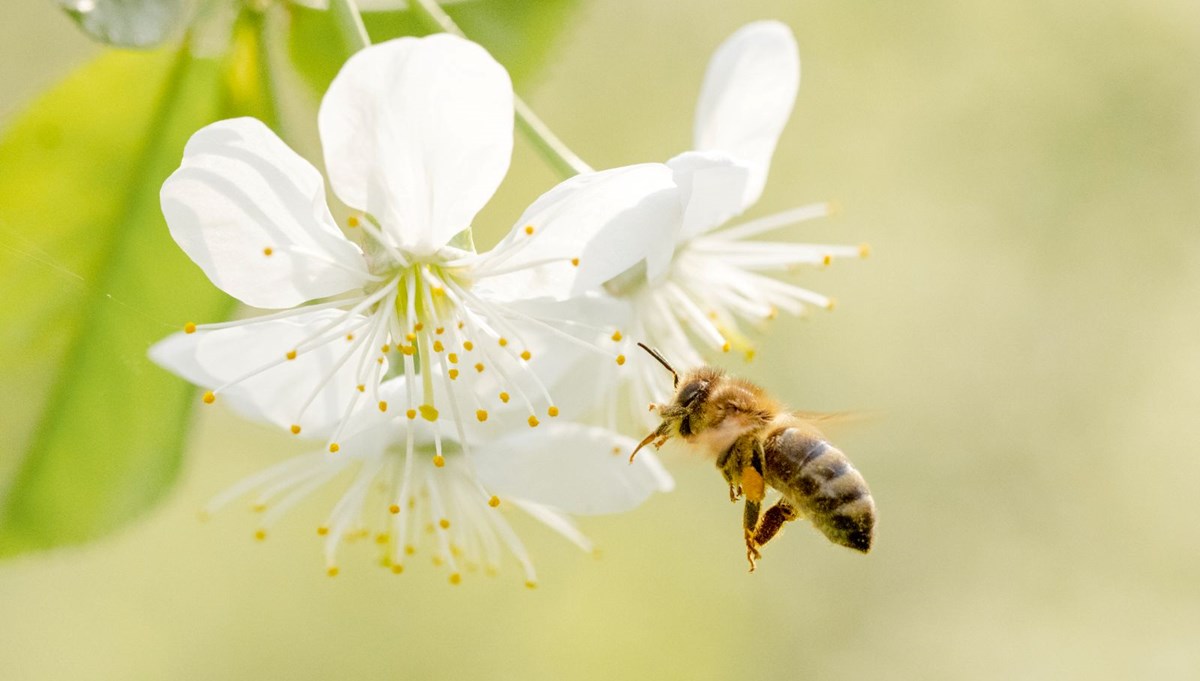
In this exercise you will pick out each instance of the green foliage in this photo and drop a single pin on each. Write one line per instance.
(126, 23)
(518, 33)
(91, 278)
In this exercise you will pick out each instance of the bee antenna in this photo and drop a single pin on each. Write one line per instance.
(661, 360)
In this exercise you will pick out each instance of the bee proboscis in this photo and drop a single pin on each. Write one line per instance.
(757, 444)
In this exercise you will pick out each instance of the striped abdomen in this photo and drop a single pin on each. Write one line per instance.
(819, 481)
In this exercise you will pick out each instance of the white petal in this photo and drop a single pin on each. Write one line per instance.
(711, 188)
(177, 353)
(747, 97)
(252, 214)
(571, 467)
(610, 220)
(419, 133)
(277, 395)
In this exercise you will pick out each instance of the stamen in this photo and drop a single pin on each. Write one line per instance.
(453, 374)
(494, 501)
(383, 405)
(268, 251)
(526, 355)
(209, 397)
(481, 414)
(552, 411)
(334, 447)
(352, 221)
(190, 327)
(533, 421)
(504, 397)
(291, 354)
(295, 429)
(428, 412)
(617, 336)
(620, 360)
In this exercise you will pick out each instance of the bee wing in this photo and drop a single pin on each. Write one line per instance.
(836, 418)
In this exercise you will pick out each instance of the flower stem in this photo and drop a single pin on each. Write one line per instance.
(551, 148)
(349, 21)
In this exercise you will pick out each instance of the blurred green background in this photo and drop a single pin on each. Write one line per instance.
(1028, 175)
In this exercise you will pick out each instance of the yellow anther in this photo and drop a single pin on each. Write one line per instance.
(479, 367)
(258, 507)
(575, 262)
(533, 421)
(268, 251)
(322, 531)
(460, 324)
(190, 327)
(295, 429)
(481, 414)
(349, 337)
(379, 360)
(830, 304)
(494, 501)
(552, 411)
(529, 230)
(410, 337)
(712, 314)
(352, 221)
(438, 291)
(455, 579)
(725, 347)
(750, 355)
(468, 346)
(617, 336)
(332, 571)
(381, 538)
(439, 461)
(385, 349)
(864, 250)
(453, 357)
(397, 568)
(291, 354)
(439, 330)
(418, 326)
(530, 585)
(620, 360)
(260, 535)
(444, 523)
(526, 355)
(773, 313)
(616, 450)
(453, 374)
(504, 397)
(409, 549)
(361, 388)
(382, 405)
(411, 414)
(334, 447)
(503, 341)
(437, 346)
(409, 350)
(209, 397)
(827, 260)
(394, 509)
(428, 412)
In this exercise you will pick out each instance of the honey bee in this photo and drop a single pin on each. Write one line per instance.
(759, 443)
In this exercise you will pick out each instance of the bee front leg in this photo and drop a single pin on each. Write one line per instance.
(728, 464)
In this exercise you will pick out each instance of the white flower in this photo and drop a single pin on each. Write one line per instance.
(417, 135)
(454, 513)
(705, 279)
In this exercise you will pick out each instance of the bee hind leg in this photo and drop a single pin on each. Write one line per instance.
(755, 489)
(773, 520)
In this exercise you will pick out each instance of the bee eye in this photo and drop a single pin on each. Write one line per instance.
(689, 393)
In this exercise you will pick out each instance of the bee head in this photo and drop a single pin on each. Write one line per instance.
(678, 417)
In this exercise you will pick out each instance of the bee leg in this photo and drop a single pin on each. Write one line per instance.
(755, 489)
(727, 464)
(773, 520)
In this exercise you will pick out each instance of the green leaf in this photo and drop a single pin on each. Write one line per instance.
(518, 33)
(93, 431)
(126, 23)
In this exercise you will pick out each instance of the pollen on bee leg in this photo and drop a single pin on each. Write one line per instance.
(552, 411)
(209, 397)
(494, 501)
(190, 327)
(439, 461)
(864, 250)
(481, 414)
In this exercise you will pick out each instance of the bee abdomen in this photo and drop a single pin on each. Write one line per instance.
(819, 479)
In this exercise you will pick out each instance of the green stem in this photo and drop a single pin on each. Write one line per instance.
(551, 148)
(349, 21)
